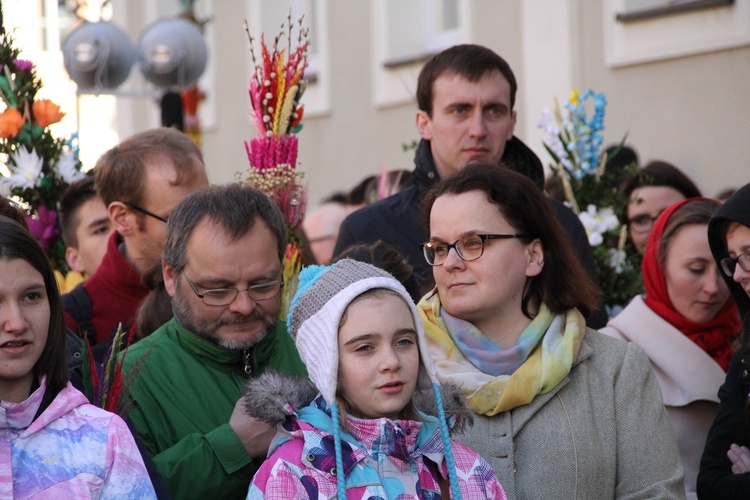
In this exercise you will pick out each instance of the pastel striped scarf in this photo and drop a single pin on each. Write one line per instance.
(546, 365)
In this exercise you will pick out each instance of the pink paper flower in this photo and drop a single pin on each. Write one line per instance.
(23, 65)
(44, 226)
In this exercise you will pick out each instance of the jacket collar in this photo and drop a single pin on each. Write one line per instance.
(375, 439)
(425, 172)
(116, 268)
(22, 415)
(214, 354)
(516, 156)
(691, 376)
(204, 348)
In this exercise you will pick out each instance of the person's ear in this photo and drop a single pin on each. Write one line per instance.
(534, 258)
(123, 218)
(512, 129)
(73, 258)
(424, 125)
(170, 278)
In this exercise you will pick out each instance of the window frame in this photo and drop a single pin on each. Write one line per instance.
(674, 34)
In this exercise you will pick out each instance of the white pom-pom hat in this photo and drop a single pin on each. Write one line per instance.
(323, 295)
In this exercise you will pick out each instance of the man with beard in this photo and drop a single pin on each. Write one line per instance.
(222, 266)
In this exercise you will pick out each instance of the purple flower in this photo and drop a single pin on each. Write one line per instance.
(44, 226)
(23, 65)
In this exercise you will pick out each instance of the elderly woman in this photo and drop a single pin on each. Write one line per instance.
(686, 324)
(561, 411)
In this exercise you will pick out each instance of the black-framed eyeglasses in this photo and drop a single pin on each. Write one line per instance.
(467, 248)
(144, 211)
(729, 264)
(642, 223)
(225, 296)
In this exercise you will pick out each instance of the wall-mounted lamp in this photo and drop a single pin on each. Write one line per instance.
(98, 56)
(171, 54)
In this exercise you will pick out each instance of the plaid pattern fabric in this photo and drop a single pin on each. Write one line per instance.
(383, 458)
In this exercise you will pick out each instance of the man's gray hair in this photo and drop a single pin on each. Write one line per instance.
(235, 207)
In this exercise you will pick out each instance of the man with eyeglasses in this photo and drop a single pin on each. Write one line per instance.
(222, 266)
(140, 181)
(466, 96)
(726, 458)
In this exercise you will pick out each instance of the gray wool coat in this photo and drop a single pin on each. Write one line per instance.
(601, 433)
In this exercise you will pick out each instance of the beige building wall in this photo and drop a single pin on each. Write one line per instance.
(689, 105)
(692, 110)
(687, 101)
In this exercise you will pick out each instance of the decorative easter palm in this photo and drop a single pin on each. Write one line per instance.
(35, 167)
(574, 144)
(276, 88)
(105, 384)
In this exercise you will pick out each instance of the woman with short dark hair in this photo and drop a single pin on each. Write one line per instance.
(561, 411)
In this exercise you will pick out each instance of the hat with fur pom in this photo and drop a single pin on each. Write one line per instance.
(323, 295)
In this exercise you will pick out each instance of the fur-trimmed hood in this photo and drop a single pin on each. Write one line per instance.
(271, 397)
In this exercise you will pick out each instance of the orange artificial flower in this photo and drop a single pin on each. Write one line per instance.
(46, 112)
(11, 121)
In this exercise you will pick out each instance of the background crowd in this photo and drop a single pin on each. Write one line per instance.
(461, 283)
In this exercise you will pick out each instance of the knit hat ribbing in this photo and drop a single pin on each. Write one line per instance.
(323, 296)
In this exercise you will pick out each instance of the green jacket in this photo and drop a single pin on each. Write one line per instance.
(184, 388)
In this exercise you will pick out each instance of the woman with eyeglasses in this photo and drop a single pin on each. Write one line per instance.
(561, 411)
(650, 191)
(725, 465)
(686, 323)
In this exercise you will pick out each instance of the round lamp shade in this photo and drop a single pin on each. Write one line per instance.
(172, 53)
(98, 56)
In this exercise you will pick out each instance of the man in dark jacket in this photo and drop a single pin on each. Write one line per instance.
(465, 96)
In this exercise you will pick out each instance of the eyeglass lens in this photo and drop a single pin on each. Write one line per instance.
(729, 264)
(225, 296)
(642, 223)
(468, 248)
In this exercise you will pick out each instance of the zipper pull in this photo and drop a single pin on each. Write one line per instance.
(246, 355)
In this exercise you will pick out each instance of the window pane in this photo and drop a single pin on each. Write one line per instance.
(405, 29)
(450, 15)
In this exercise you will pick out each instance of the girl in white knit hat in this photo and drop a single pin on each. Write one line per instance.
(376, 428)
